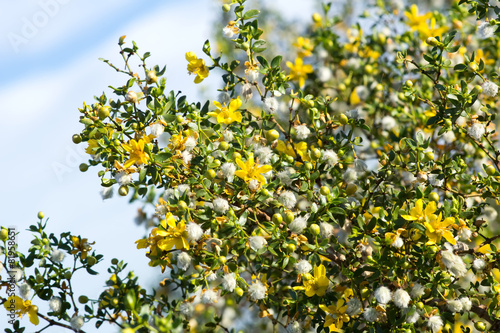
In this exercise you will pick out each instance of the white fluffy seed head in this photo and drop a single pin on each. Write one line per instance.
(194, 231)
(485, 30)
(298, 224)
(294, 327)
(287, 199)
(453, 263)
(209, 297)
(228, 169)
(157, 129)
(271, 105)
(325, 230)
(229, 282)
(303, 266)
(77, 322)
(25, 290)
(417, 290)
(123, 178)
(257, 242)
(466, 303)
(354, 307)
(57, 256)
(302, 132)
(454, 306)
(186, 309)
(476, 130)
(435, 323)
(190, 143)
(221, 206)
(183, 261)
(257, 291)
(479, 264)
(55, 304)
(330, 157)
(370, 314)
(401, 298)
(383, 295)
(490, 89)
(264, 154)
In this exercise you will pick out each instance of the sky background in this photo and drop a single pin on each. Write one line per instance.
(49, 65)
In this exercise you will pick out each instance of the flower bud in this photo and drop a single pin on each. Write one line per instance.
(83, 167)
(226, 7)
(324, 190)
(314, 228)
(4, 234)
(432, 41)
(316, 17)
(103, 112)
(151, 77)
(123, 190)
(277, 218)
(131, 97)
(40, 215)
(490, 170)
(76, 138)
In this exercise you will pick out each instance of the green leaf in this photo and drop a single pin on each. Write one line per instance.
(262, 61)
(251, 14)
(275, 63)
(206, 48)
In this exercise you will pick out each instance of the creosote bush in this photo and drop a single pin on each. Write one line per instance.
(348, 185)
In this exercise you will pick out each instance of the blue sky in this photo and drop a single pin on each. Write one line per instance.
(49, 65)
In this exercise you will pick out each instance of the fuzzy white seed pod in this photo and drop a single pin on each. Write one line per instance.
(298, 224)
(490, 89)
(229, 282)
(55, 304)
(271, 105)
(383, 295)
(131, 97)
(303, 266)
(257, 242)
(435, 323)
(485, 30)
(221, 206)
(257, 291)
(76, 322)
(401, 298)
(194, 231)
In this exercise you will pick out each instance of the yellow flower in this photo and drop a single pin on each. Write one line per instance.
(418, 213)
(317, 284)
(288, 149)
(196, 66)
(394, 238)
(92, 147)
(81, 245)
(174, 234)
(21, 307)
(177, 142)
(431, 31)
(305, 47)
(436, 229)
(481, 55)
(251, 170)
(336, 316)
(299, 71)
(228, 114)
(415, 21)
(137, 154)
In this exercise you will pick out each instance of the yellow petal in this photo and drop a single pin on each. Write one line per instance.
(449, 237)
(354, 98)
(235, 104)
